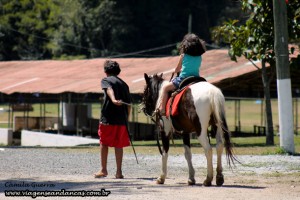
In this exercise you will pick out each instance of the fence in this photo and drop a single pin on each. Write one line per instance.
(244, 117)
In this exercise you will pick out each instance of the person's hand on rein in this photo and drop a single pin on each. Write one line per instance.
(117, 102)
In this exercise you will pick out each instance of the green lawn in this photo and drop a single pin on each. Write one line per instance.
(242, 146)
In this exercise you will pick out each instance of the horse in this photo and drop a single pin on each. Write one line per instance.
(201, 106)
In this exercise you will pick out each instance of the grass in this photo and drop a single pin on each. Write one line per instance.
(242, 146)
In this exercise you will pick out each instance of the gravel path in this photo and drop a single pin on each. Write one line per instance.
(54, 169)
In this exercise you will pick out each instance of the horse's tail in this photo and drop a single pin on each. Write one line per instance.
(218, 110)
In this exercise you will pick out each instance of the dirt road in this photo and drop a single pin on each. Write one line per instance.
(51, 169)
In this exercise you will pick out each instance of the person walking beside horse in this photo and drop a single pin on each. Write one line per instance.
(113, 130)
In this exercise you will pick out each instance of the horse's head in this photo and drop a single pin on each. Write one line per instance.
(151, 92)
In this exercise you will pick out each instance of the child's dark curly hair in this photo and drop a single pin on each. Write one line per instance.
(192, 45)
(112, 67)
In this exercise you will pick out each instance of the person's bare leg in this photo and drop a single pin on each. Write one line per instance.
(164, 97)
(119, 159)
(104, 155)
(167, 88)
(103, 160)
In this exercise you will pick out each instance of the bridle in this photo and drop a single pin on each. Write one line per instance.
(156, 118)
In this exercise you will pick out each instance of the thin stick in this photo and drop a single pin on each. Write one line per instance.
(128, 104)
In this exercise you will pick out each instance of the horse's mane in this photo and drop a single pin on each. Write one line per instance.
(151, 92)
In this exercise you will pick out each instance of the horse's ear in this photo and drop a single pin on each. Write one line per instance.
(147, 79)
(161, 75)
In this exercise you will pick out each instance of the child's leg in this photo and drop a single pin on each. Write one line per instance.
(167, 88)
(119, 159)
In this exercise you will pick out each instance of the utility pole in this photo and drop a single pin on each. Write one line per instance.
(190, 23)
(283, 76)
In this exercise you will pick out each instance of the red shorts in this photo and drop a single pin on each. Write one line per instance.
(113, 135)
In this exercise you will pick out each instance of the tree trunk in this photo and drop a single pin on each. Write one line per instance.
(268, 107)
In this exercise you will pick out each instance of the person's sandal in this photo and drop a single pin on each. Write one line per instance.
(100, 175)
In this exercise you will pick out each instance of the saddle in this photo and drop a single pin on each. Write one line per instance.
(174, 99)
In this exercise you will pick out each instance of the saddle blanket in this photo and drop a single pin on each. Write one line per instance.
(175, 103)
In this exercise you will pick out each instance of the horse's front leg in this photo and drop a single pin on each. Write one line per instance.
(203, 139)
(166, 143)
(188, 157)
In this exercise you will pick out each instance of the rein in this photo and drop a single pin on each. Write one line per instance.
(155, 118)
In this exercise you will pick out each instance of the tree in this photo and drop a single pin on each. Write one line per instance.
(24, 27)
(68, 29)
(69, 40)
(109, 27)
(255, 41)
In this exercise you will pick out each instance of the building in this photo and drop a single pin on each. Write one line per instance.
(78, 81)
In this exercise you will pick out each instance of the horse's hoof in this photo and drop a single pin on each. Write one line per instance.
(160, 181)
(219, 180)
(207, 183)
(191, 182)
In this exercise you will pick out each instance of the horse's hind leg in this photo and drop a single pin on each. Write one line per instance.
(203, 139)
(166, 143)
(219, 148)
(188, 157)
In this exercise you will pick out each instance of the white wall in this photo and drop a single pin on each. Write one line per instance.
(6, 136)
(30, 138)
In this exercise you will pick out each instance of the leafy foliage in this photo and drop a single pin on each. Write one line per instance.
(255, 39)
(24, 28)
(47, 29)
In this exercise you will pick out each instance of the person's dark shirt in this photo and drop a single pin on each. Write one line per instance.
(111, 113)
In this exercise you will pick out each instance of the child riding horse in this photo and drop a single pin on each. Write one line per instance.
(201, 105)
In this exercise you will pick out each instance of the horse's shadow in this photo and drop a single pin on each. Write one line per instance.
(181, 184)
(242, 186)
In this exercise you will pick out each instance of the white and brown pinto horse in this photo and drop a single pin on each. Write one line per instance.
(201, 106)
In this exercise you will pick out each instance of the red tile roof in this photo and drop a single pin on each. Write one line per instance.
(83, 76)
